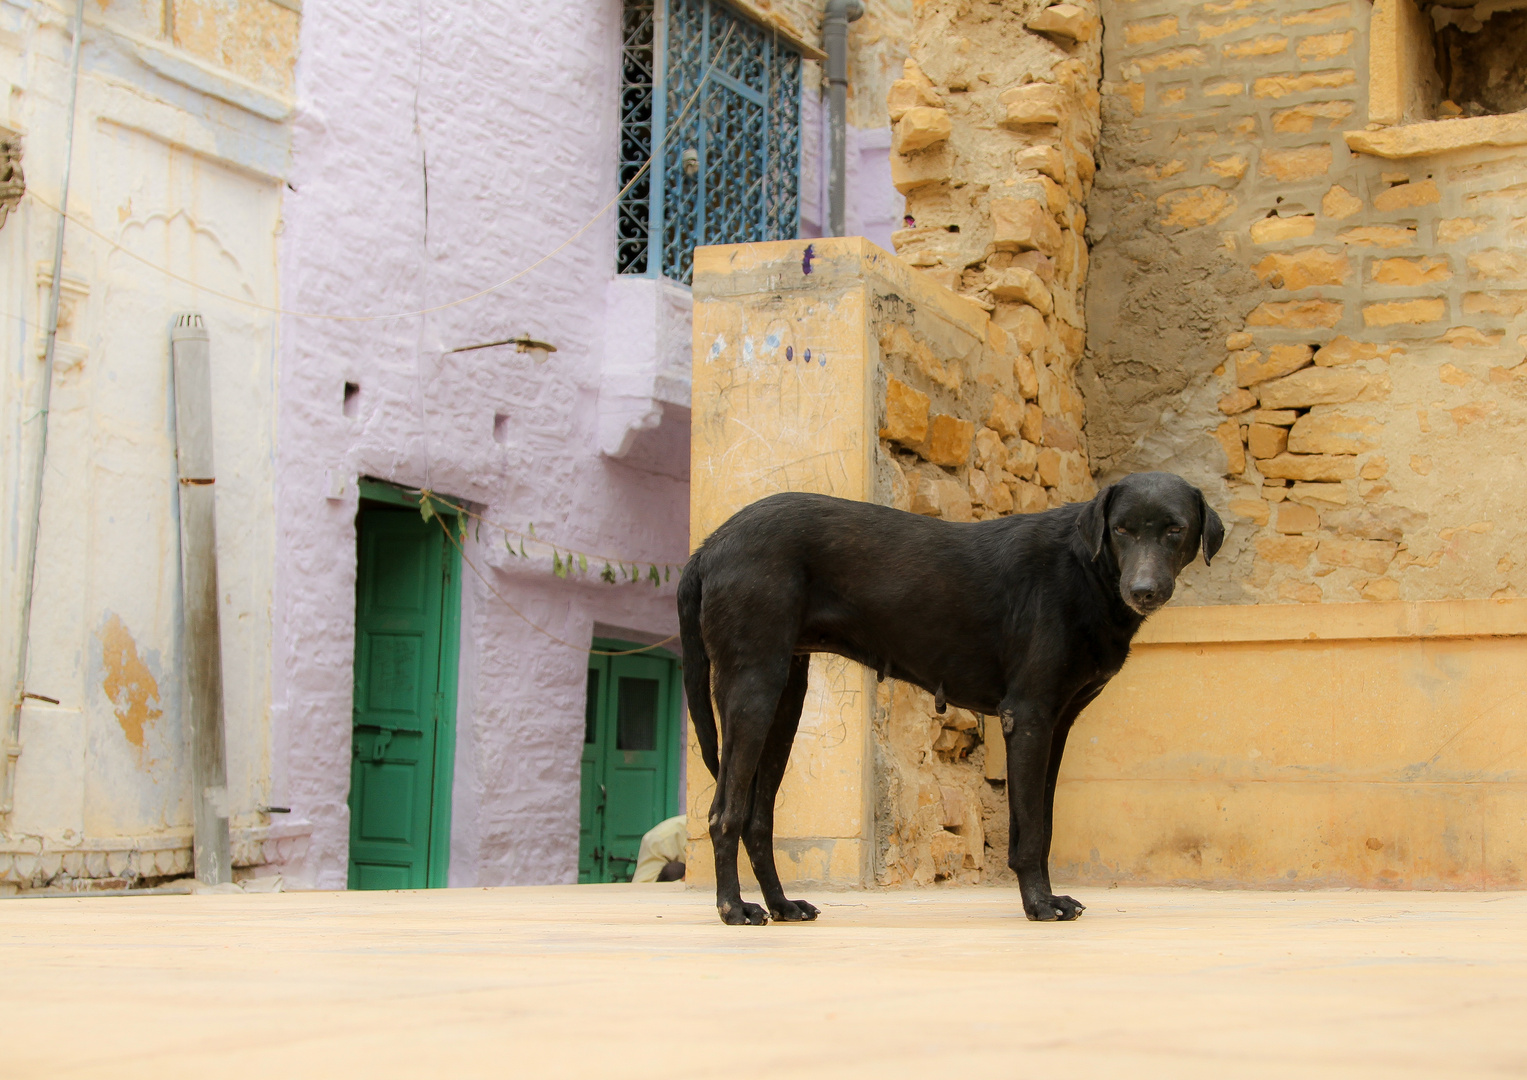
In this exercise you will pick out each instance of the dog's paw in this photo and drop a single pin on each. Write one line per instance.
(794, 911)
(742, 914)
(1053, 909)
(1067, 907)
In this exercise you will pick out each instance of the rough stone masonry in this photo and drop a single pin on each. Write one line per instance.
(1308, 290)
(995, 122)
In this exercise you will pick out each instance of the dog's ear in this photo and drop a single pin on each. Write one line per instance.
(1212, 529)
(1093, 522)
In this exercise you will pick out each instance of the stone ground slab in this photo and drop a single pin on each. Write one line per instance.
(639, 981)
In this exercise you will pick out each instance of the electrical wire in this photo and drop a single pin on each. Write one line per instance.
(553, 253)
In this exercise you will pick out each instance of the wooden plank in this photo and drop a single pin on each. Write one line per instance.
(203, 660)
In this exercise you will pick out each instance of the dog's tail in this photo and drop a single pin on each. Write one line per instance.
(697, 665)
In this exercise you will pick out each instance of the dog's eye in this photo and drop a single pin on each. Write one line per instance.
(1175, 530)
(1121, 530)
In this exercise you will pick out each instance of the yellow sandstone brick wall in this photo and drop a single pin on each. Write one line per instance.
(995, 121)
(1331, 342)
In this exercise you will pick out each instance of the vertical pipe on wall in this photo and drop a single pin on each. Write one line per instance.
(835, 43)
(202, 687)
(10, 743)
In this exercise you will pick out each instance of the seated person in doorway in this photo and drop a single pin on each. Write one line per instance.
(661, 855)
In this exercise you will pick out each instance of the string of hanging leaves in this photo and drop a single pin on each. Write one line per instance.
(563, 560)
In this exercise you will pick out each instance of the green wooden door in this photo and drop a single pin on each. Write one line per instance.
(403, 738)
(630, 767)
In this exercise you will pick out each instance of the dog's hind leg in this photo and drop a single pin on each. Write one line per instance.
(748, 702)
(758, 836)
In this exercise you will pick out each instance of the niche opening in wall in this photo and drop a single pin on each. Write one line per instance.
(1446, 59)
(1481, 55)
(352, 405)
(501, 429)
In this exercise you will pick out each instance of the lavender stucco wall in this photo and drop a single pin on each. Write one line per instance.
(437, 148)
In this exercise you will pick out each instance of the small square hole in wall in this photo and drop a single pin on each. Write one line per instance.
(352, 399)
(500, 428)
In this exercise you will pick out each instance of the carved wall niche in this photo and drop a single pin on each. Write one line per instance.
(12, 182)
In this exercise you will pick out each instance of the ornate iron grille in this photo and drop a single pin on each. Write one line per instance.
(728, 169)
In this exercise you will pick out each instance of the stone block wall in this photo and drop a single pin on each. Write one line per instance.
(994, 125)
(995, 122)
(961, 437)
(1318, 319)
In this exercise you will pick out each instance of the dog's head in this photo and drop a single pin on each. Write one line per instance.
(1150, 525)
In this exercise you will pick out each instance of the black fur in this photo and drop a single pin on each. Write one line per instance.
(1024, 617)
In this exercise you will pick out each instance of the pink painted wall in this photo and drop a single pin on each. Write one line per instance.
(431, 158)
(438, 148)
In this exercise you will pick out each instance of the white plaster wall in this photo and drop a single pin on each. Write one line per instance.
(440, 147)
(190, 183)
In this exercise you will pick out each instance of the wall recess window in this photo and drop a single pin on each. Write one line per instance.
(1481, 52)
(729, 168)
(1443, 59)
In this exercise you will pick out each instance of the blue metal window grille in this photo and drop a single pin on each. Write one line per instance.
(728, 171)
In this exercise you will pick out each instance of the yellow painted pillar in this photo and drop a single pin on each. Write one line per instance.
(784, 369)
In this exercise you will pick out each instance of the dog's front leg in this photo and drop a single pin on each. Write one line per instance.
(1030, 729)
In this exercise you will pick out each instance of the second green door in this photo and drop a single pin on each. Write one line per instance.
(630, 758)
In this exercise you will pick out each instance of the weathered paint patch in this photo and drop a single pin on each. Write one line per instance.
(131, 686)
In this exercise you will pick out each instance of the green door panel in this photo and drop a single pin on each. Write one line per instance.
(630, 758)
(405, 640)
(379, 876)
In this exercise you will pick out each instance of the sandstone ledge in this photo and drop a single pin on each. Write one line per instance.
(1336, 622)
(1440, 136)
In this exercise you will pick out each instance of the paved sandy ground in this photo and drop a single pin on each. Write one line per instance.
(643, 981)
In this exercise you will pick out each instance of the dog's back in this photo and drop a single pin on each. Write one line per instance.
(831, 575)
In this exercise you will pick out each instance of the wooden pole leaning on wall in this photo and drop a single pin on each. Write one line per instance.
(202, 687)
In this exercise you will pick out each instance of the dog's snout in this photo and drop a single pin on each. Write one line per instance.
(1146, 594)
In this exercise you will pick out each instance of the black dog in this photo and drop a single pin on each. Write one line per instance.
(1025, 618)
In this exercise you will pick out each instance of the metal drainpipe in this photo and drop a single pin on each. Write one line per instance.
(12, 740)
(835, 22)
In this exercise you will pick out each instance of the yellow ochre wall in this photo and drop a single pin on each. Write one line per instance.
(1379, 744)
(761, 425)
(1368, 745)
